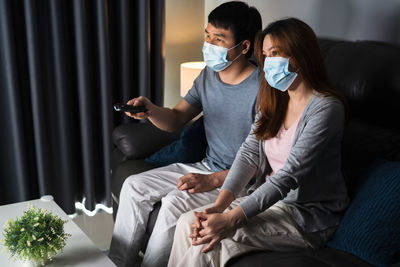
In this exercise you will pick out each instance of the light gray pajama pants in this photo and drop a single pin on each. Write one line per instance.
(138, 195)
(274, 229)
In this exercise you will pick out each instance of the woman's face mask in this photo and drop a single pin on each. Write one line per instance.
(215, 56)
(277, 73)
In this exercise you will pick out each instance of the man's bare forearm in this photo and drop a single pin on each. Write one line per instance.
(171, 120)
(166, 119)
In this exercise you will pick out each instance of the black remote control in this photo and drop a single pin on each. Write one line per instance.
(129, 108)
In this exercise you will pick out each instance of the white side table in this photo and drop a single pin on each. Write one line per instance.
(79, 250)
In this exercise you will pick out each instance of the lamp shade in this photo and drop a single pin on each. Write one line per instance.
(189, 72)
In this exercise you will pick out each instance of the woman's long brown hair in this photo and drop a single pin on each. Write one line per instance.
(298, 41)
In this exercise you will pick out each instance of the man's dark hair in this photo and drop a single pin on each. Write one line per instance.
(243, 21)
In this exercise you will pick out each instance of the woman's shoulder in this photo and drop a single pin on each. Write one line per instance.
(321, 99)
(322, 104)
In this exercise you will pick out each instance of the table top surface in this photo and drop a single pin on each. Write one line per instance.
(79, 249)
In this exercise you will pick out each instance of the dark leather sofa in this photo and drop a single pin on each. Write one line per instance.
(368, 74)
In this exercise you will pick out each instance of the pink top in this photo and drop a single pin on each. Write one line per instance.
(277, 149)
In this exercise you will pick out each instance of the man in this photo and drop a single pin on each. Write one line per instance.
(226, 92)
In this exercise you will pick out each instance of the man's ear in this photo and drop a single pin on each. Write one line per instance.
(245, 46)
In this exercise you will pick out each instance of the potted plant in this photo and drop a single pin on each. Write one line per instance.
(36, 236)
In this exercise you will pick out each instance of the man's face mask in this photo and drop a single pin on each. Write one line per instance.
(277, 73)
(215, 56)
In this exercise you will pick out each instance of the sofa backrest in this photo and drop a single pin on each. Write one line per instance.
(368, 74)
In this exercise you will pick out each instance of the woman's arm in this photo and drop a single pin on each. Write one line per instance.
(325, 123)
(243, 169)
(245, 165)
(222, 202)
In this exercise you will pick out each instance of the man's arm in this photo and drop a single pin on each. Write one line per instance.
(196, 182)
(164, 118)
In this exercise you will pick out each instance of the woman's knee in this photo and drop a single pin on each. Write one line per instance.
(185, 220)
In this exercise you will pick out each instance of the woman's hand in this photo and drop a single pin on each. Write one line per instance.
(140, 101)
(196, 226)
(215, 226)
(223, 201)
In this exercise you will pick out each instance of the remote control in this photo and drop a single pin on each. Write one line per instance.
(129, 108)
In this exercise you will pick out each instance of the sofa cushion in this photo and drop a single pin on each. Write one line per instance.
(323, 257)
(139, 140)
(276, 259)
(190, 147)
(370, 227)
(362, 144)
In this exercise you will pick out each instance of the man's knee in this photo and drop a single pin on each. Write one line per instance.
(175, 200)
(131, 187)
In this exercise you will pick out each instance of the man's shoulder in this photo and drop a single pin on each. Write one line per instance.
(207, 73)
(252, 82)
(254, 76)
(256, 73)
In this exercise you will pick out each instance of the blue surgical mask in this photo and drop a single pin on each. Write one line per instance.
(215, 56)
(277, 73)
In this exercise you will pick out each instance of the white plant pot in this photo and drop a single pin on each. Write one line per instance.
(29, 263)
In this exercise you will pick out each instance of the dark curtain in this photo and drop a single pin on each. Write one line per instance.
(62, 66)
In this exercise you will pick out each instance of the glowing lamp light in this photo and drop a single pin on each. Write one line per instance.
(189, 72)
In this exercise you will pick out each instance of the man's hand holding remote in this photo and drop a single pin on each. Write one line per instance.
(143, 102)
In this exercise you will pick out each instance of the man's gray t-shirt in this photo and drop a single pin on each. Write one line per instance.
(228, 112)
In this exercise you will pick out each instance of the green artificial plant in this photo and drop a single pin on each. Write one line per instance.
(36, 236)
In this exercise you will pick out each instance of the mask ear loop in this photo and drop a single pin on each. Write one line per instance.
(296, 71)
(235, 47)
(237, 57)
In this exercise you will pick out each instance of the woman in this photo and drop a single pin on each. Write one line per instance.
(293, 152)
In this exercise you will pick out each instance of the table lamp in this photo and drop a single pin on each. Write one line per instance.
(189, 72)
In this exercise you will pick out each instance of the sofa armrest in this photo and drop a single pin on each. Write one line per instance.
(138, 140)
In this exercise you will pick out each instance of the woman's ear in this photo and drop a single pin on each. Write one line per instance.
(245, 46)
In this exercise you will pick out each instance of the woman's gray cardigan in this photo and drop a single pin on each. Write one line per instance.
(310, 181)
